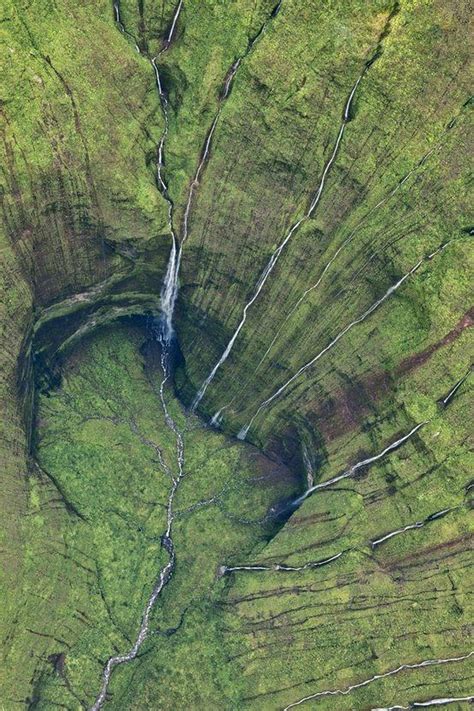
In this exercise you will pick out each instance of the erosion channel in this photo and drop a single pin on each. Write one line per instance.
(236, 355)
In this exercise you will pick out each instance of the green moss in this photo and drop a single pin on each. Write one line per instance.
(85, 241)
(98, 438)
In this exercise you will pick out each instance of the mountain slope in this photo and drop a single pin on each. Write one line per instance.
(340, 345)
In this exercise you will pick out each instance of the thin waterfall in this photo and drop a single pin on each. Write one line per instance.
(411, 526)
(219, 414)
(391, 290)
(361, 465)
(278, 251)
(164, 335)
(170, 289)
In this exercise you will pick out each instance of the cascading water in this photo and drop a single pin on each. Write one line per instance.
(164, 334)
(411, 526)
(163, 329)
(169, 293)
(382, 675)
(361, 465)
(276, 254)
(218, 416)
(391, 290)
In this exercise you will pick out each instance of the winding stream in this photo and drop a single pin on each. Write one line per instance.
(409, 527)
(166, 539)
(391, 290)
(281, 567)
(384, 675)
(164, 330)
(164, 335)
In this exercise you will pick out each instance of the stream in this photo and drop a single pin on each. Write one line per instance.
(384, 675)
(276, 254)
(163, 330)
(409, 527)
(171, 284)
(445, 701)
(391, 290)
(165, 336)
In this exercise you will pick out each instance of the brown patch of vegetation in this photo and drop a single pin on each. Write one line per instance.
(343, 412)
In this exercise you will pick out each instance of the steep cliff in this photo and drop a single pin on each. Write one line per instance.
(312, 161)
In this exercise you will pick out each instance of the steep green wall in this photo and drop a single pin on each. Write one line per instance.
(84, 239)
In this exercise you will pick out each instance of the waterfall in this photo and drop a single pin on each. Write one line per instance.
(169, 292)
(276, 254)
(391, 290)
(165, 334)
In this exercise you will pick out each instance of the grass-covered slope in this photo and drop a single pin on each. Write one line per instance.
(398, 590)
(79, 124)
(409, 108)
(359, 337)
(96, 515)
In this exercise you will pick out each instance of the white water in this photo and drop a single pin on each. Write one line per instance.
(276, 254)
(328, 265)
(410, 526)
(384, 675)
(165, 334)
(455, 388)
(308, 467)
(195, 181)
(230, 77)
(424, 704)
(169, 290)
(281, 567)
(167, 542)
(173, 22)
(167, 305)
(346, 242)
(122, 27)
(217, 418)
(169, 293)
(244, 431)
(361, 464)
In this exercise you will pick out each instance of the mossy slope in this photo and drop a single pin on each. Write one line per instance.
(85, 239)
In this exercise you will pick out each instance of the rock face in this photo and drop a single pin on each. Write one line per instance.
(323, 303)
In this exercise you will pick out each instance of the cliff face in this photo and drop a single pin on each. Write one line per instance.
(79, 126)
(323, 314)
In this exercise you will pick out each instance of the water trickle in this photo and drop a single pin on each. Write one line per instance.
(383, 675)
(362, 464)
(411, 526)
(278, 251)
(391, 290)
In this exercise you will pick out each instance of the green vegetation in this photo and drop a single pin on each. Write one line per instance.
(86, 458)
(103, 442)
